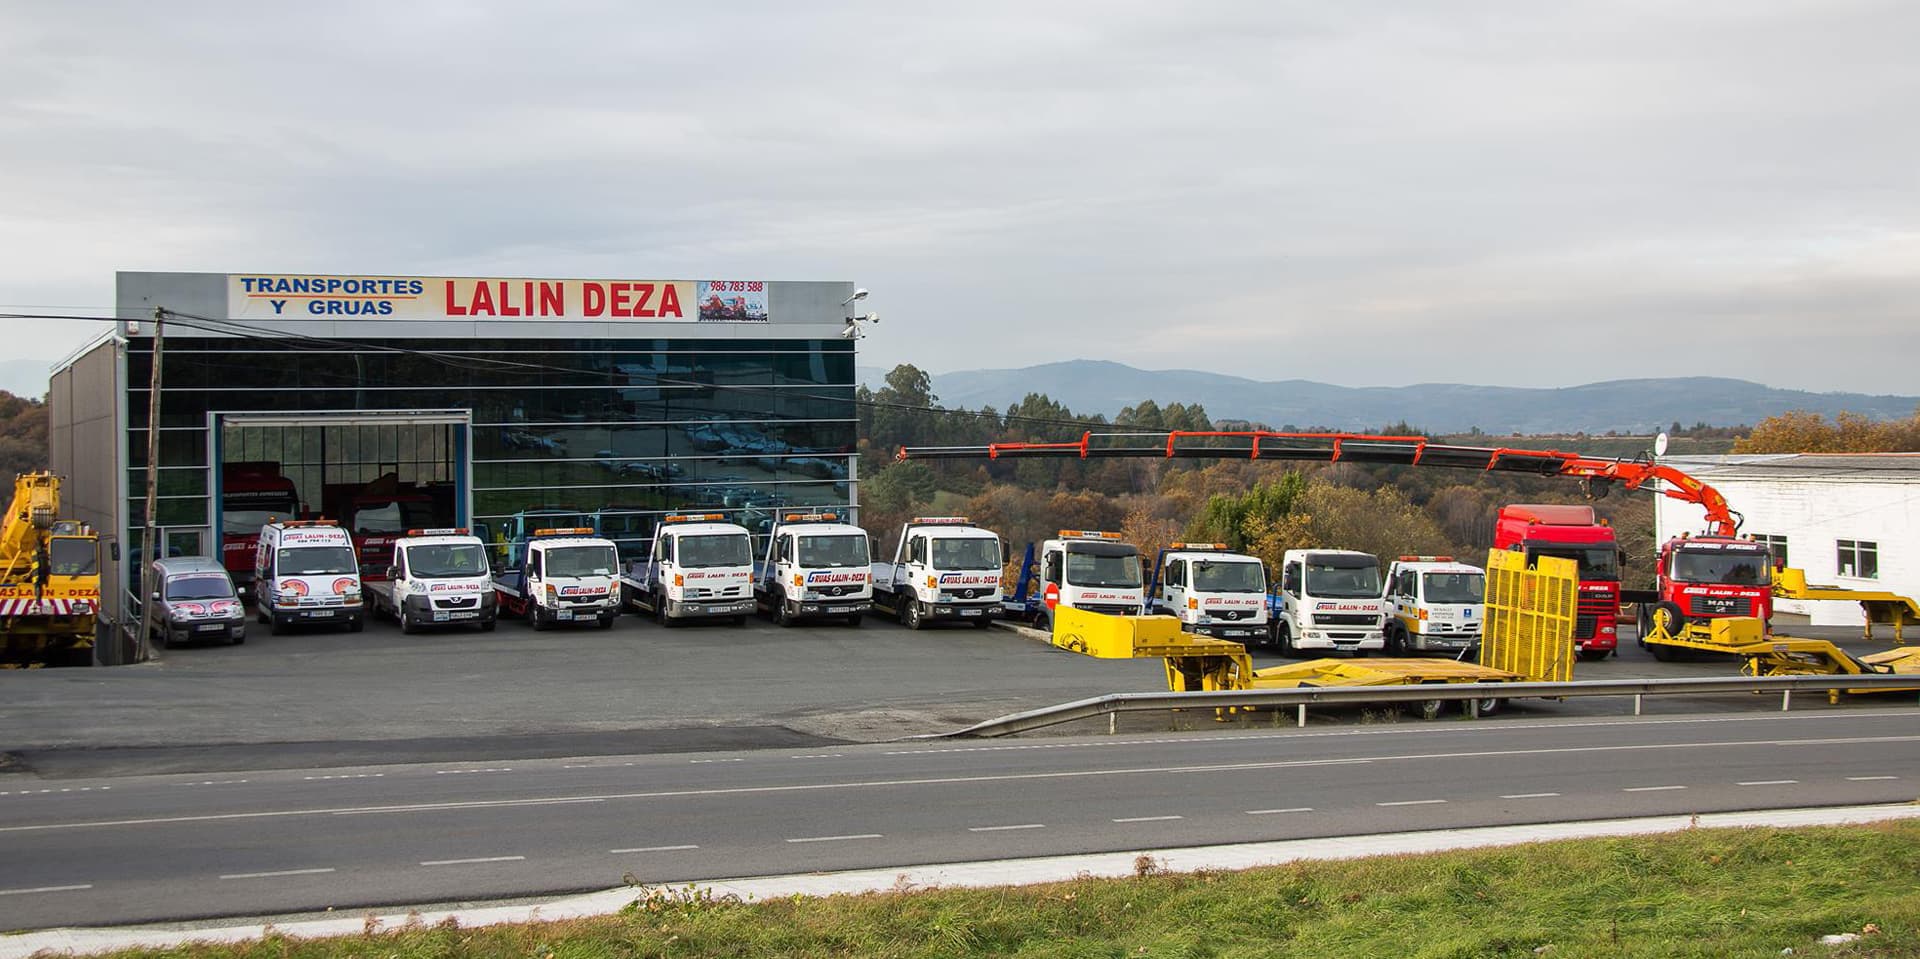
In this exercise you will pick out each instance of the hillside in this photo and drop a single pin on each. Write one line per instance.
(1638, 405)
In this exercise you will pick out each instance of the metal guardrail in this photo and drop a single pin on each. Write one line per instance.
(1475, 694)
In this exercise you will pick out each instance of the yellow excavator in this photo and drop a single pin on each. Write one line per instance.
(49, 579)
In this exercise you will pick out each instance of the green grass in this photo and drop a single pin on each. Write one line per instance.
(1701, 893)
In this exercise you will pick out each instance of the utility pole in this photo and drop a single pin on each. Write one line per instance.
(147, 553)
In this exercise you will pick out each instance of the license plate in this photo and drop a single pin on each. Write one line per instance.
(440, 617)
(563, 614)
(971, 612)
(466, 615)
(318, 613)
(209, 628)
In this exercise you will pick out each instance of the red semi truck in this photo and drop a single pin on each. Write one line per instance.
(1575, 533)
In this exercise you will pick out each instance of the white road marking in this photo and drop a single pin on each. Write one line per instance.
(214, 782)
(463, 862)
(619, 852)
(49, 792)
(699, 761)
(1530, 796)
(38, 889)
(596, 765)
(1149, 818)
(1270, 812)
(1768, 782)
(1649, 789)
(1027, 825)
(459, 772)
(820, 756)
(1869, 779)
(1412, 802)
(342, 776)
(864, 835)
(281, 872)
(1770, 744)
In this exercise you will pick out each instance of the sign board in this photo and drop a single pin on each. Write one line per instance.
(256, 296)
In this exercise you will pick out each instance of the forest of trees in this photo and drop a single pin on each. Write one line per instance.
(1846, 433)
(23, 435)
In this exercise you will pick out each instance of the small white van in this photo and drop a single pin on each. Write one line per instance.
(305, 573)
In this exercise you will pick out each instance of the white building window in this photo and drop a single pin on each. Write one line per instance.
(1858, 558)
(1778, 544)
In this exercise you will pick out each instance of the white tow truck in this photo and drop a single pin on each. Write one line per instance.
(816, 567)
(1090, 570)
(699, 567)
(564, 576)
(945, 568)
(439, 577)
(1434, 605)
(1213, 592)
(1330, 599)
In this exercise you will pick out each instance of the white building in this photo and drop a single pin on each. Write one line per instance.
(1849, 520)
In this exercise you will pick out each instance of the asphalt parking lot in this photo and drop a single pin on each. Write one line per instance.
(335, 698)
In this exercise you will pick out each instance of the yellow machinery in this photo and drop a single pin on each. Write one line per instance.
(49, 578)
(1778, 655)
(1880, 606)
(1530, 616)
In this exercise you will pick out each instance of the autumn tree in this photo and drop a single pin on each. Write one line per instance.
(23, 434)
(1799, 431)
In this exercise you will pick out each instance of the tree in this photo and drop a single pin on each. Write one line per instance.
(23, 434)
(1799, 431)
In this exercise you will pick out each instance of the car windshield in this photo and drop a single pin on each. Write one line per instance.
(1342, 582)
(1089, 569)
(1455, 587)
(838, 550)
(1599, 563)
(72, 557)
(1214, 577)
(580, 561)
(317, 561)
(247, 521)
(392, 517)
(972, 552)
(721, 549)
(1733, 569)
(446, 560)
(199, 586)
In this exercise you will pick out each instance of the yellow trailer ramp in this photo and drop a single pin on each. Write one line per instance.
(1880, 606)
(1530, 616)
(1194, 663)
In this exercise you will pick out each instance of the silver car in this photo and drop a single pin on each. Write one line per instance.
(194, 602)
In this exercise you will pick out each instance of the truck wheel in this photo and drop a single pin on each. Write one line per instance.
(660, 610)
(407, 625)
(1429, 709)
(781, 617)
(853, 620)
(539, 621)
(356, 624)
(260, 616)
(606, 622)
(1488, 706)
(1284, 638)
(910, 614)
(1396, 641)
(486, 625)
(276, 625)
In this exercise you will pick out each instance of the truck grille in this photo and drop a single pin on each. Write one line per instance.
(1346, 619)
(836, 590)
(456, 602)
(1112, 610)
(1723, 606)
(1231, 615)
(970, 592)
(1584, 624)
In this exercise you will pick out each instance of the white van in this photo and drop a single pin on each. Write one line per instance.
(305, 573)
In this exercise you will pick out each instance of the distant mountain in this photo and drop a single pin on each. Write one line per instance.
(1642, 405)
(26, 378)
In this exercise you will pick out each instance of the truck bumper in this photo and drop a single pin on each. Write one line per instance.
(1346, 639)
(956, 612)
(1240, 631)
(686, 609)
(419, 611)
(1439, 643)
(831, 608)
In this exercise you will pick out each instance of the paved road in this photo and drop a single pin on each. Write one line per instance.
(149, 848)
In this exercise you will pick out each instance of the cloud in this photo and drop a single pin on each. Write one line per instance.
(1500, 192)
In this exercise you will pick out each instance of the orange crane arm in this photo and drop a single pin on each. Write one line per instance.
(1357, 448)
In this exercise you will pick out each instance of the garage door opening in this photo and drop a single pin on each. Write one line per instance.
(378, 475)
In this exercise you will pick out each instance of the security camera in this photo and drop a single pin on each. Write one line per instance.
(859, 294)
(852, 332)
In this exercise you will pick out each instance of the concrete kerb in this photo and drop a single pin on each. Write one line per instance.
(1006, 872)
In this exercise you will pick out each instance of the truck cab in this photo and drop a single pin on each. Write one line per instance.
(944, 569)
(1434, 605)
(438, 577)
(1712, 577)
(565, 576)
(1091, 570)
(698, 567)
(1211, 591)
(305, 573)
(1576, 533)
(816, 567)
(1330, 599)
(252, 494)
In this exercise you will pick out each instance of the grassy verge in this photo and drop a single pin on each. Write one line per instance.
(1716, 893)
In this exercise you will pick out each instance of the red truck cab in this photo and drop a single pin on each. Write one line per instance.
(1575, 533)
(377, 521)
(1710, 577)
(252, 494)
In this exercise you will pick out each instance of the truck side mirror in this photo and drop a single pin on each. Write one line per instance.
(1006, 552)
(393, 572)
(156, 597)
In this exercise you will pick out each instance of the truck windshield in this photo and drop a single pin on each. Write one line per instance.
(1734, 569)
(1209, 577)
(580, 561)
(396, 516)
(317, 561)
(72, 557)
(446, 560)
(728, 549)
(970, 553)
(1456, 587)
(1343, 582)
(1090, 569)
(838, 550)
(247, 520)
(199, 587)
(1599, 563)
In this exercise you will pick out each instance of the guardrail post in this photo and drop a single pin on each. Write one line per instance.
(1303, 715)
(1786, 699)
(1113, 722)
(1636, 704)
(1473, 709)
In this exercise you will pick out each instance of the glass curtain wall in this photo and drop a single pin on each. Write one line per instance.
(619, 431)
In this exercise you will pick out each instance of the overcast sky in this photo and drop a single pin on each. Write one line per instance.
(1524, 193)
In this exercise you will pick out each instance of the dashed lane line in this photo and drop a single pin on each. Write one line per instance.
(864, 835)
(1275, 812)
(622, 852)
(1649, 789)
(476, 859)
(1149, 818)
(41, 889)
(1412, 802)
(1531, 796)
(1024, 825)
(276, 873)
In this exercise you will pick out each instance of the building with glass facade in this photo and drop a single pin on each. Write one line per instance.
(498, 404)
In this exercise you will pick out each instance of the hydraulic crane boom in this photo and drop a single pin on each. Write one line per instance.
(1631, 474)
